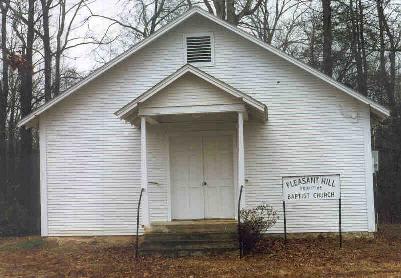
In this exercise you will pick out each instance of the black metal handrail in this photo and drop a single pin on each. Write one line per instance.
(137, 222)
(241, 249)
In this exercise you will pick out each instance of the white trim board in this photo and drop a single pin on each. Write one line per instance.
(375, 107)
(370, 199)
(44, 228)
(194, 109)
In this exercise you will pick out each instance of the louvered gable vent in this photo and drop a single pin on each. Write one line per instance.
(199, 49)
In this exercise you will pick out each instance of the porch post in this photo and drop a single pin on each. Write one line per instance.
(144, 174)
(241, 157)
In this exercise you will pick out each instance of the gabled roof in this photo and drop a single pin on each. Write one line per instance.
(128, 109)
(375, 107)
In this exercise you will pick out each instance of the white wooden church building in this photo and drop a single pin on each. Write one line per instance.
(190, 114)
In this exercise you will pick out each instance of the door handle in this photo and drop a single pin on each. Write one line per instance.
(204, 183)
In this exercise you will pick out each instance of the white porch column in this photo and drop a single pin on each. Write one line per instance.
(241, 156)
(144, 174)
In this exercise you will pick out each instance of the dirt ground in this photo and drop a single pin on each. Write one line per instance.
(319, 257)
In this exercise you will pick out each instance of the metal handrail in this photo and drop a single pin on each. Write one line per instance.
(241, 249)
(137, 222)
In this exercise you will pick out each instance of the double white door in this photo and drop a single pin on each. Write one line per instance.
(201, 171)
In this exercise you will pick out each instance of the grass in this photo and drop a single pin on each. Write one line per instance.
(321, 257)
(24, 244)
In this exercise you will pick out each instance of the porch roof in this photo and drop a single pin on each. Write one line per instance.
(132, 111)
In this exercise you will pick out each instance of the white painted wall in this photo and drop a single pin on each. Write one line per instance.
(93, 158)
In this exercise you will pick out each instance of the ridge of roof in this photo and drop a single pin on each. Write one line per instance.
(375, 107)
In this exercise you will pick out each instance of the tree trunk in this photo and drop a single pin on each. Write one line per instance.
(47, 50)
(26, 189)
(220, 7)
(327, 38)
(383, 77)
(364, 78)
(231, 16)
(225, 9)
(312, 46)
(57, 74)
(355, 47)
(3, 149)
(4, 89)
(11, 146)
(392, 58)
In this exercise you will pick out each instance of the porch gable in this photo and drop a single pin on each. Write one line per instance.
(191, 91)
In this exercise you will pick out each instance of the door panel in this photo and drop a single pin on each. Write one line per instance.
(186, 177)
(218, 173)
(196, 159)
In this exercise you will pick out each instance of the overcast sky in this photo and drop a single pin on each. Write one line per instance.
(82, 57)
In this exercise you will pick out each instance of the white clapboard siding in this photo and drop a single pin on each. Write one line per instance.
(190, 90)
(93, 158)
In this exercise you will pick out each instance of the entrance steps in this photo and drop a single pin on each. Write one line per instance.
(189, 238)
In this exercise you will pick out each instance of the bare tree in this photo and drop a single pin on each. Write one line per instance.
(64, 41)
(392, 58)
(387, 80)
(31, 39)
(265, 22)
(26, 78)
(66, 14)
(357, 44)
(148, 16)
(137, 20)
(47, 52)
(363, 79)
(3, 97)
(327, 38)
(232, 11)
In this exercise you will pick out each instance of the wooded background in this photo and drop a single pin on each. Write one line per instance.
(357, 42)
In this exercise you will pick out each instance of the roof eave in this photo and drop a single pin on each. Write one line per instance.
(29, 122)
(382, 111)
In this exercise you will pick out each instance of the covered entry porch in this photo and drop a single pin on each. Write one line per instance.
(202, 121)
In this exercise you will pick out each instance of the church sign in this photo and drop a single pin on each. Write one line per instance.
(308, 188)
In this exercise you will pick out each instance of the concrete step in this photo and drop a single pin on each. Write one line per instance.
(189, 244)
(190, 236)
(173, 253)
(193, 226)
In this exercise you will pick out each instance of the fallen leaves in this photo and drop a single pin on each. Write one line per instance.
(299, 258)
